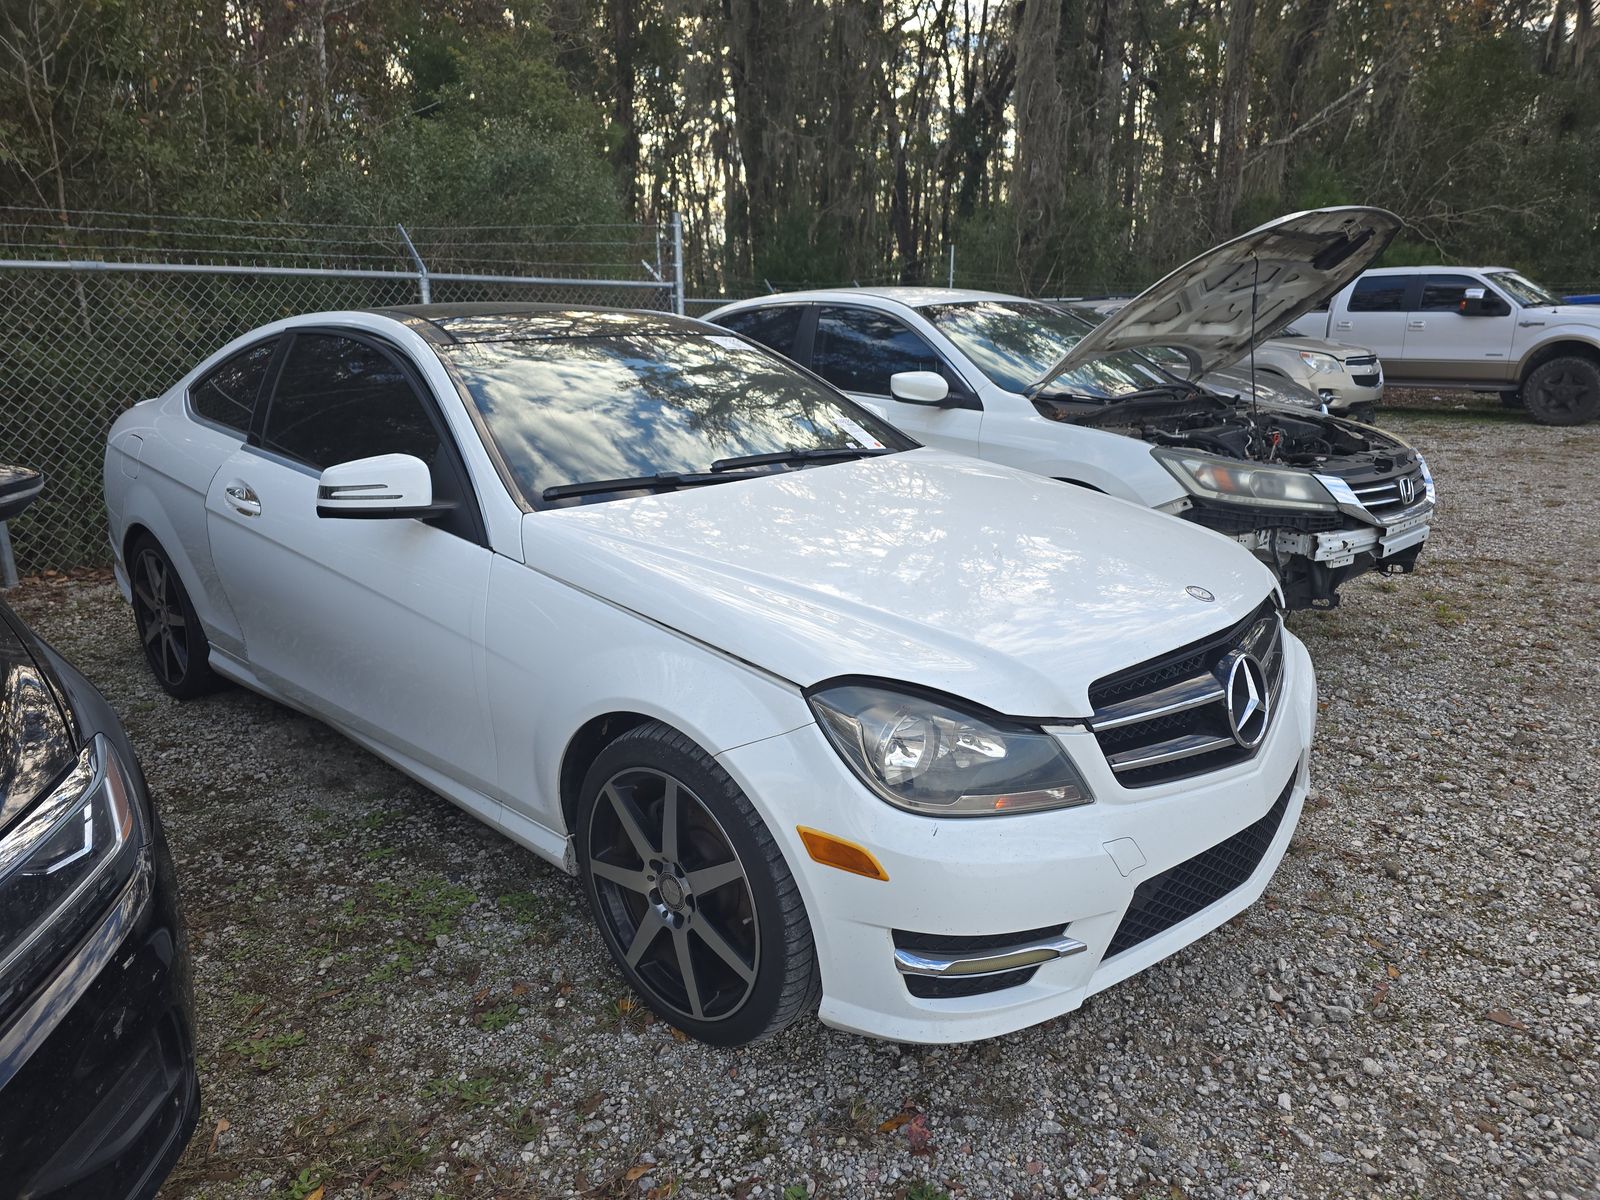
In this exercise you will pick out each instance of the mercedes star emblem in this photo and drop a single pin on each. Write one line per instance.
(1247, 700)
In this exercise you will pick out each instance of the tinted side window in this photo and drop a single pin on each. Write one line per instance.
(228, 395)
(1443, 293)
(339, 399)
(1380, 293)
(773, 327)
(857, 350)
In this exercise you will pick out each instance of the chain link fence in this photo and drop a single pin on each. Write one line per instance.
(83, 339)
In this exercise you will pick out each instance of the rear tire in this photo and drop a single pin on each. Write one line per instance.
(175, 646)
(691, 892)
(1563, 391)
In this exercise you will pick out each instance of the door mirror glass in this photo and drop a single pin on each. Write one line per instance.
(919, 387)
(388, 485)
(18, 487)
(1476, 302)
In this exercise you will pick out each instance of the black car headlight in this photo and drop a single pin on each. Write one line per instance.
(928, 757)
(63, 865)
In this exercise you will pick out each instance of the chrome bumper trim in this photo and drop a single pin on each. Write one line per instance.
(950, 966)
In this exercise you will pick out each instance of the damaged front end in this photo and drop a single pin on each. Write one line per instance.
(1318, 499)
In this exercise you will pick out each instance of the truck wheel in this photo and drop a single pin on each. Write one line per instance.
(1563, 391)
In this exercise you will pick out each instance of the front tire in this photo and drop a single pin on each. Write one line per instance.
(174, 644)
(691, 892)
(1563, 391)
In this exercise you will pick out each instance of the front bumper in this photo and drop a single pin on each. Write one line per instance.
(98, 1092)
(1077, 870)
(1312, 565)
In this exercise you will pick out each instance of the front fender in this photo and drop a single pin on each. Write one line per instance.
(553, 649)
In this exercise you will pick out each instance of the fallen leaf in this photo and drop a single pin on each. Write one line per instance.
(638, 1171)
(900, 1118)
(919, 1135)
(316, 1195)
(222, 1127)
(519, 988)
(1393, 971)
(1500, 1017)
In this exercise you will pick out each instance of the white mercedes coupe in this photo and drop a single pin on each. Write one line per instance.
(824, 721)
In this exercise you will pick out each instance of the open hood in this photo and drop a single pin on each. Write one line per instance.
(1203, 308)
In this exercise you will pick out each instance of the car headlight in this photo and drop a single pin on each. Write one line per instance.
(928, 757)
(1321, 364)
(1427, 480)
(63, 866)
(1238, 482)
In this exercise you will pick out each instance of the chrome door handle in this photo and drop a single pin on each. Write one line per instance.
(242, 499)
(1416, 324)
(1343, 325)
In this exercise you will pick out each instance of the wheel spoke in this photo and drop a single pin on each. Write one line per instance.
(719, 946)
(649, 925)
(710, 878)
(142, 592)
(671, 809)
(691, 983)
(154, 630)
(632, 824)
(634, 881)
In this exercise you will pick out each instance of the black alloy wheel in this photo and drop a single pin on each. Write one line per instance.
(1563, 391)
(690, 892)
(174, 644)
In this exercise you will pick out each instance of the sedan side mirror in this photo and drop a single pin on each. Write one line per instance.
(387, 485)
(919, 387)
(18, 487)
(1476, 302)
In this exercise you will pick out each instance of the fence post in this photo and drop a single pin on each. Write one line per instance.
(8, 562)
(422, 267)
(677, 263)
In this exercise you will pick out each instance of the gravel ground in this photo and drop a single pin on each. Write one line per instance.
(393, 1000)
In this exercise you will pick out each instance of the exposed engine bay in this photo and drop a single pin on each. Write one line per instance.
(1311, 548)
(1233, 428)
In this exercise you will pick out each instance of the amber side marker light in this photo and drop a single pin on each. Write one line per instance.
(833, 851)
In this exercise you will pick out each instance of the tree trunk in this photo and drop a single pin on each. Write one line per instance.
(1235, 110)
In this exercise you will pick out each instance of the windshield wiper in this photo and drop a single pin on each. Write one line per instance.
(816, 454)
(665, 482)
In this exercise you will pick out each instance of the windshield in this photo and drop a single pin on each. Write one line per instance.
(1523, 290)
(566, 411)
(1016, 342)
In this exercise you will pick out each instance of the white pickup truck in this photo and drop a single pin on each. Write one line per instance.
(1485, 329)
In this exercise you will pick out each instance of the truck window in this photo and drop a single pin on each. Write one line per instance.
(1380, 293)
(1443, 293)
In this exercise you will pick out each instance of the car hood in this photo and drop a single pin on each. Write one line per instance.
(37, 746)
(1203, 308)
(987, 583)
(1316, 345)
(1236, 381)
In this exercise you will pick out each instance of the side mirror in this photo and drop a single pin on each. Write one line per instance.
(18, 487)
(387, 485)
(919, 387)
(1476, 302)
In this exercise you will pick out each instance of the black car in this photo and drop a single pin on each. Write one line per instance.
(98, 1094)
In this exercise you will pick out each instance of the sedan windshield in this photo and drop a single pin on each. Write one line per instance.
(1523, 290)
(657, 410)
(1016, 342)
